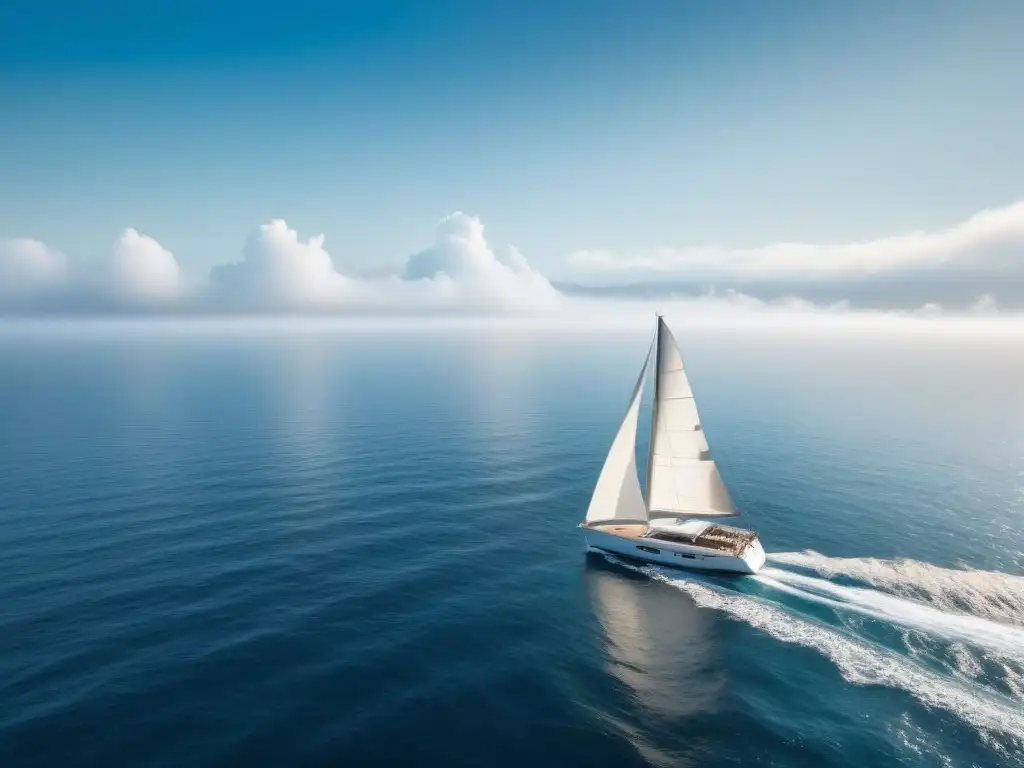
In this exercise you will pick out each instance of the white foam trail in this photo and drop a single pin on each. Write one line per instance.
(985, 594)
(1013, 677)
(1001, 646)
(898, 610)
(966, 662)
(982, 608)
(1000, 672)
(1000, 723)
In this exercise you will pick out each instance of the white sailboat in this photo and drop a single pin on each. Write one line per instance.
(676, 523)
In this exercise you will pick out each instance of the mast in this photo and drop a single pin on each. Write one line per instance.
(654, 411)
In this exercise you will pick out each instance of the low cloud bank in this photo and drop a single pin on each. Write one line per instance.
(711, 313)
(732, 309)
(991, 239)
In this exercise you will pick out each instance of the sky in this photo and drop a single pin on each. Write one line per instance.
(186, 153)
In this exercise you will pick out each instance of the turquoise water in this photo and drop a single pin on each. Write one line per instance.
(302, 546)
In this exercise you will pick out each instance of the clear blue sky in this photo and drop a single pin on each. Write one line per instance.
(563, 125)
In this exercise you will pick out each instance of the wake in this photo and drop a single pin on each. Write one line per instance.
(985, 594)
(997, 718)
(898, 610)
(977, 648)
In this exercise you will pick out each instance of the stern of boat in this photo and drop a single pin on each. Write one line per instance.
(753, 556)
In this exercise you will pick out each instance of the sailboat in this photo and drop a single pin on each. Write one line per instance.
(676, 524)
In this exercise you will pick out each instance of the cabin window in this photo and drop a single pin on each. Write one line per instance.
(683, 555)
(649, 549)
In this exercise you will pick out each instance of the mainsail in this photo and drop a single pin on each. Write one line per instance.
(617, 495)
(682, 478)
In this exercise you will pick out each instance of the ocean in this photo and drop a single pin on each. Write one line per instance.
(316, 545)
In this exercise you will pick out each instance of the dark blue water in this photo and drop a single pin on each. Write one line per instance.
(335, 547)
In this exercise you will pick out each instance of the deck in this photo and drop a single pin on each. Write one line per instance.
(631, 531)
(717, 537)
(731, 541)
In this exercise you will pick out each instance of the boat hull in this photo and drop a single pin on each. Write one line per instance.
(676, 555)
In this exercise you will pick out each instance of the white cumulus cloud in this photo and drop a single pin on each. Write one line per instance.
(143, 270)
(28, 267)
(462, 268)
(988, 235)
(278, 269)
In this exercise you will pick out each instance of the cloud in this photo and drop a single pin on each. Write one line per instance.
(985, 304)
(143, 270)
(462, 267)
(459, 271)
(736, 311)
(280, 270)
(931, 309)
(29, 267)
(992, 236)
(730, 313)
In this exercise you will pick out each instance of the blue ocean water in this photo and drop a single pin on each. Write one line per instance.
(312, 546)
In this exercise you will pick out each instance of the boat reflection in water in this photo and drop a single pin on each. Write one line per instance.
(661, 647)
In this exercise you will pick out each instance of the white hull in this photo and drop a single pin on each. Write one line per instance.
(676, 554)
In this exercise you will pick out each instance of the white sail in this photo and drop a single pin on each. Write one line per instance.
(617, 495)
(681, 476)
